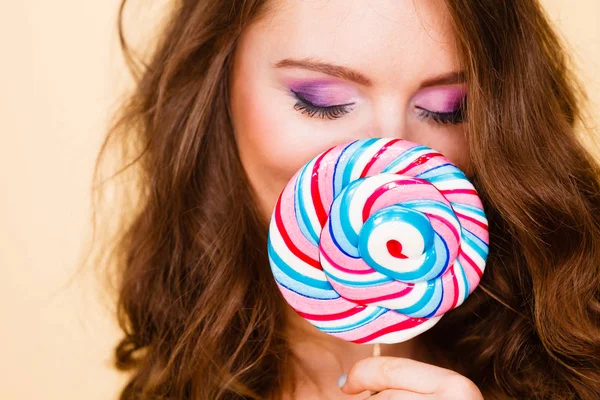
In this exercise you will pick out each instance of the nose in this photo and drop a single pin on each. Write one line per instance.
(390, 117)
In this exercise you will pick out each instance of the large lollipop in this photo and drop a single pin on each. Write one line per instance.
(373, 241)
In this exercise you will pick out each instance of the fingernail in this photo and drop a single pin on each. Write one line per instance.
(342, 380)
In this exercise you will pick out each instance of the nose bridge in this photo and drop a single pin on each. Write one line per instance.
(390, 111)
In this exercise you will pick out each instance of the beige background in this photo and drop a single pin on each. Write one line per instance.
(60, 76)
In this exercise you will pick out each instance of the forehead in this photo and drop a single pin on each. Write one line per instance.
(388, 40)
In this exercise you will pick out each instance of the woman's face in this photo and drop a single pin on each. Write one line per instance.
(314, 74)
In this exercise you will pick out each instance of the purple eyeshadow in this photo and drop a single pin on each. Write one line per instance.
(323, 93)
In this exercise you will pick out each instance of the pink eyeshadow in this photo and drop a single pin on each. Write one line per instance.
(441, 99)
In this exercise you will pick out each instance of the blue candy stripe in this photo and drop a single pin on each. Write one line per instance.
(475, 243)
(428, 303)
(336, 232)
(464, 279)
(441, 299)
(300, 214)
(294, 275)
(302, 217)
(439, 170)
(300, 289)
(340, 165)
(468, 209)
(354, 158)
(406, 155)
(303, 294)
(457, 175)
(344, 215)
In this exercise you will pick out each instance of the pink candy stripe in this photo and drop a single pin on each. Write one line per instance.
(419, 161)
(473, 220)
(393, 152)
(290, 222)
(448, 224)
(315, 306)
(451, 291)
(290, 244)
(367, 270)
(385, 291)
(403, 292)
(388, 188)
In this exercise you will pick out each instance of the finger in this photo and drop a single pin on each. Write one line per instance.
(392, 394)
(381, 373)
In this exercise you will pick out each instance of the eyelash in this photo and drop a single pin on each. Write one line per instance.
(331, 112)
(454, 117)
(337, 111)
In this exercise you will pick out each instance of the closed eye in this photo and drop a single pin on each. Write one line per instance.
(452, 117)
(331, 112)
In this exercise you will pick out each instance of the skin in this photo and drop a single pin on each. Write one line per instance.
(402, 48)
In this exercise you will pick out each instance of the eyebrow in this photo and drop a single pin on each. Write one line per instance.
(349, 74)
(337, 71)
(445, 79)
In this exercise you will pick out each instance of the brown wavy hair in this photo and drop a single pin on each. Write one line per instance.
(201, 315)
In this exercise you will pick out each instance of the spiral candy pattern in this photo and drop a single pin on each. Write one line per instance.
(373, 241)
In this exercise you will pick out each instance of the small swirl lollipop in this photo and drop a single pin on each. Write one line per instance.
(373, 241)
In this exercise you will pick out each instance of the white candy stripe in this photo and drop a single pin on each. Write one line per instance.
(290, 259)
(472, 254)
(341, 275)
(366, 157)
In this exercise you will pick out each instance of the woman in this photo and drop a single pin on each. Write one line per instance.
(237, 95)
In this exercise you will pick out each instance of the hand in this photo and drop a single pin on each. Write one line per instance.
(406, 379)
